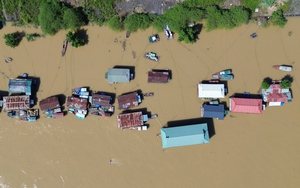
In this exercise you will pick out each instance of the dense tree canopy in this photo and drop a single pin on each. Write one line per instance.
(115, 23)
(50, 17)
(137, 21)
(278, 18)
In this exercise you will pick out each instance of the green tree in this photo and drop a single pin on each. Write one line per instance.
(50, 17)
(115, 23)
(251, 4)
(278, 18)
(74, 39)
(188, 35)
(71, 19)
(12, 39)
(265, 85)
(137, 21)
(285, 84)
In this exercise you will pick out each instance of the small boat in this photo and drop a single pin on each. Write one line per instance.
(152, 56)
(283, 68)
(127, 34)
(226, 77)
(64, 48)
(168, 32)
(217, 75)
(149, 94)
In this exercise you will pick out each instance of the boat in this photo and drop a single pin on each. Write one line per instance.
(149, 94)
(154, 38)
(127, 34)
(64, 48)
(226, 77)
(152, 56)
(168, 32)
(283, 68)
(217, 75)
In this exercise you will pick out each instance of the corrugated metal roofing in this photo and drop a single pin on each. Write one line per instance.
(115, 75)
(20, 86)
(211, 90)
(245, 105)
(184, 135)
(130, 120)
(128, 100)
(214, 111)
(16, 102)
(158, 77)
(49, 103)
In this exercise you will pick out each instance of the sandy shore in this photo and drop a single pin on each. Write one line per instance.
(246, 150)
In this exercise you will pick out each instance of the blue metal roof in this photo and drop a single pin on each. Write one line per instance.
(118, 75)
(214, 111)
(20, 86)
(184, 135)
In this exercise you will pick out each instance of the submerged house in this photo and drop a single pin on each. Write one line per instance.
(208, 90)
(77, 106)
(21, 102)
(118, 75)
(51, 107)
(129, 100)
(245, 105)
(20, 86)
(161, 76)
(184, 135)
(132, 120)
(101, 105)
(213, 111)
(276, 96)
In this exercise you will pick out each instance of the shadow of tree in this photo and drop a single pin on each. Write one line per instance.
(288, 77)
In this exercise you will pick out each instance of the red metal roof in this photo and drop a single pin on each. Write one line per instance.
(16, 102)
(246, 105)
(101, 99)
(49, 103)
(158, 77)
(130, 120)
(77, 103)
(128, 100)
(277, 97)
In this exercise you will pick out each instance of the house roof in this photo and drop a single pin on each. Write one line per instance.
(77, 103)
(49, 103)
(117, 75)
(16, 102)
(214, 111)
(20, 86)
(245, 105)
(128, 100)
(158, 76)
(211, 90)
(129, 120)
(276, 94)
(184, 135)
(98, 99)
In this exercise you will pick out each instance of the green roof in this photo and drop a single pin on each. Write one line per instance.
(117, 75)
(184, 135)
(20, 86)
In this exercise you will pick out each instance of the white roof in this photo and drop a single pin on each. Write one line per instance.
(211, 91)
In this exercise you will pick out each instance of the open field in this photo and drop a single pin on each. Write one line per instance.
(246, 151)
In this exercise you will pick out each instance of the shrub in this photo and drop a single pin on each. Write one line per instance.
(278, 18)
(137, 21)
(188, 35)
(115, 23)
(251, 4)
(12, 39)
(267, 3)
(74, 38)
(285, 84)
(71, 19)
(265, 85)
